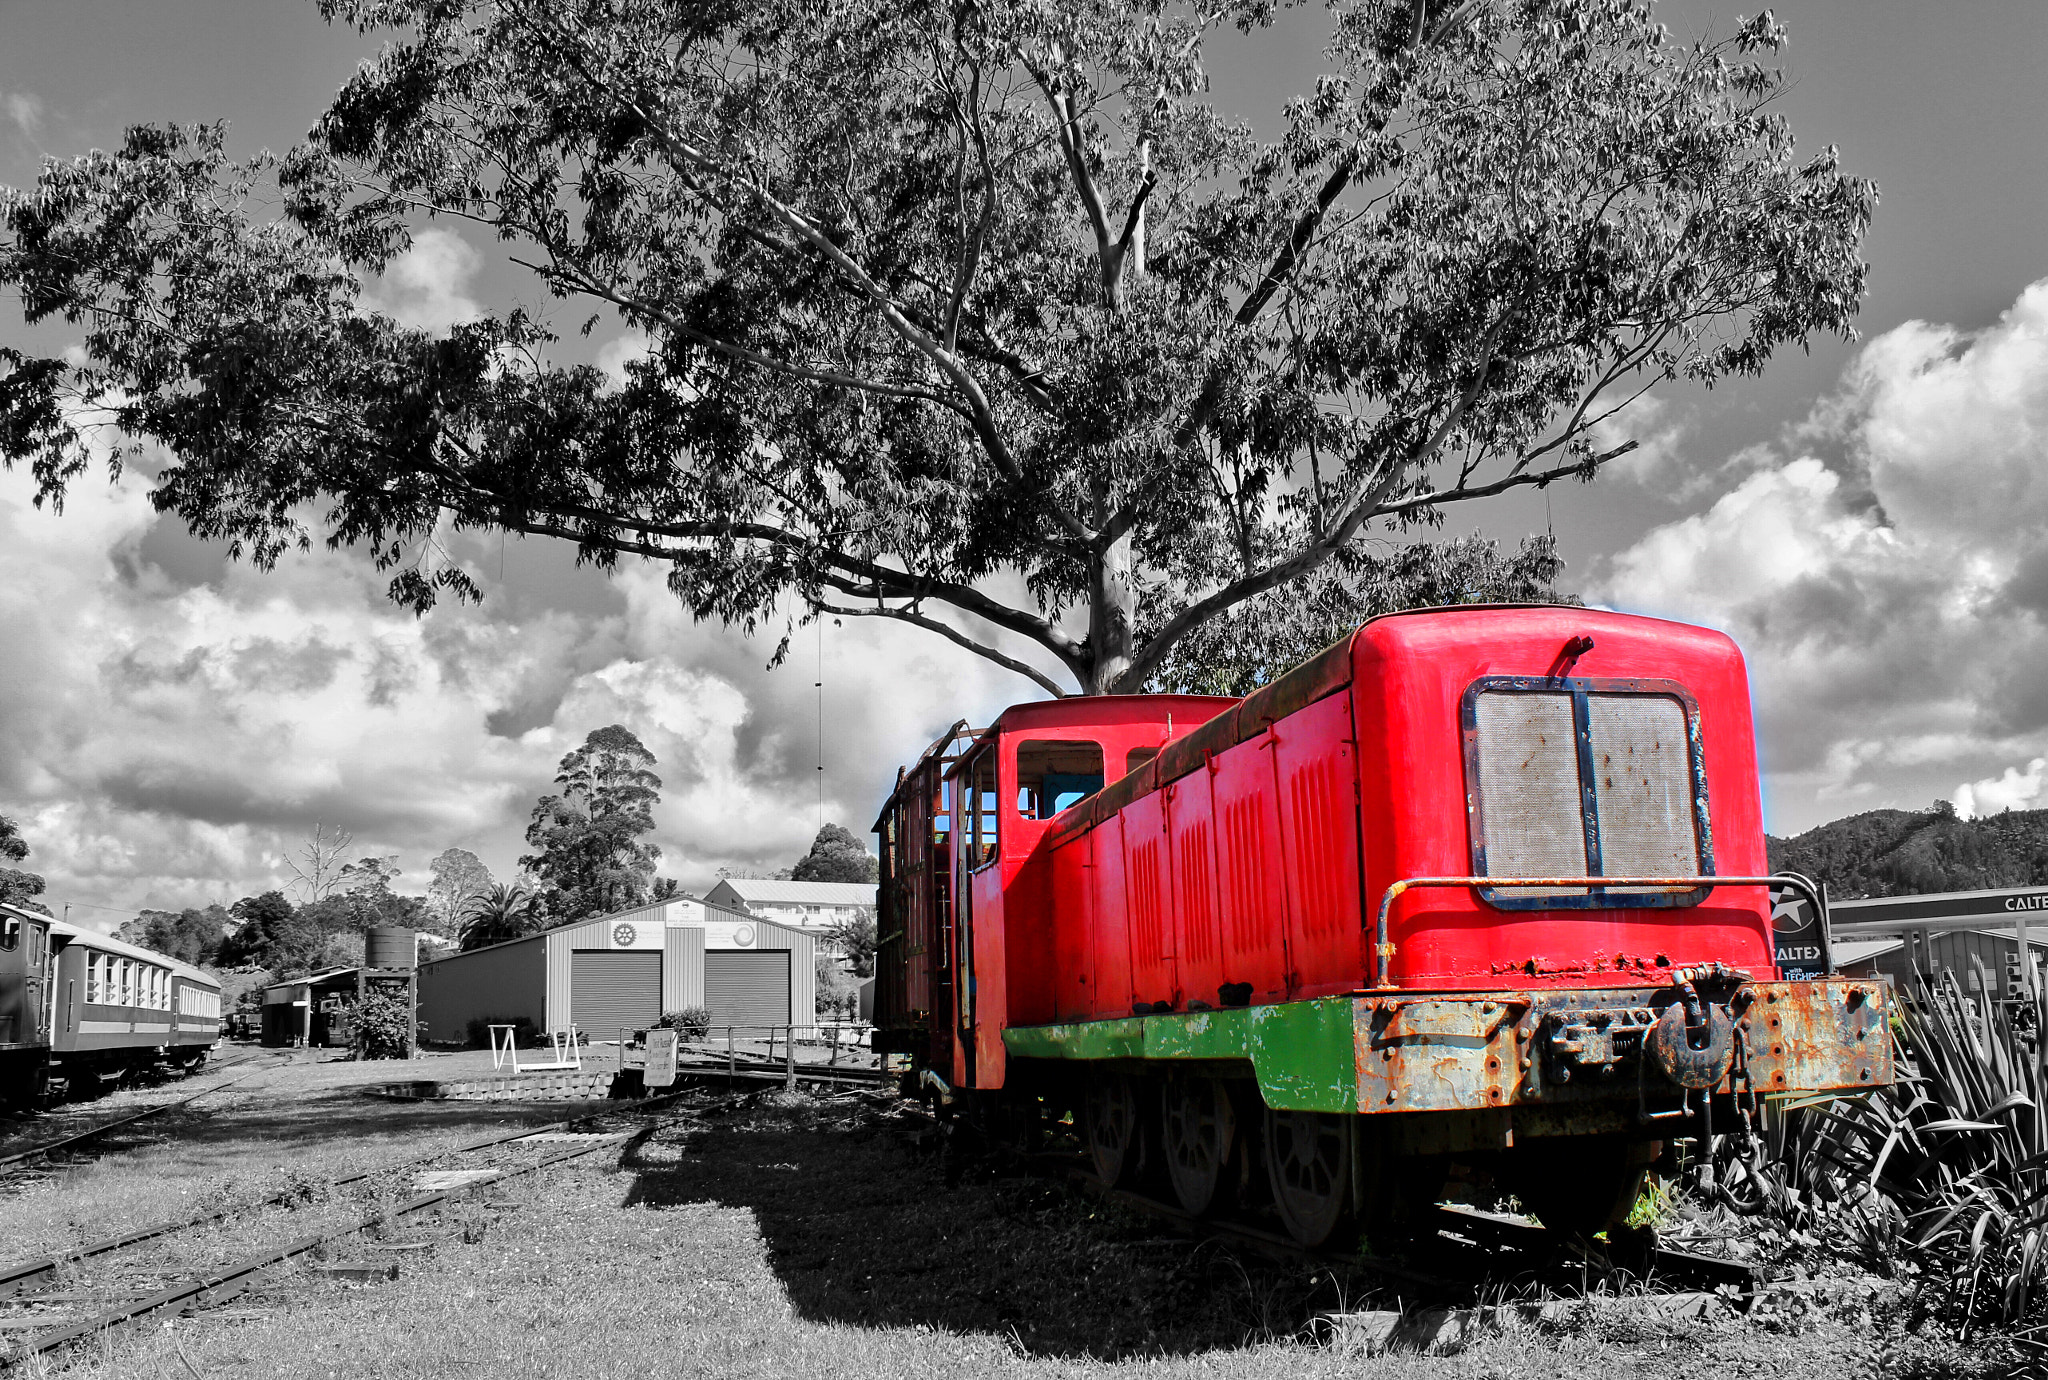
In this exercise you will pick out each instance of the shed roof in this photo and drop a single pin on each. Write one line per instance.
(772, 891)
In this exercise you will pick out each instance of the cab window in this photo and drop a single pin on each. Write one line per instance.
(979, 806)
(1138, 757)
(1051, 775)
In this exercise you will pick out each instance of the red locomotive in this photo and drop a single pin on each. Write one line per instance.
(1475, 890)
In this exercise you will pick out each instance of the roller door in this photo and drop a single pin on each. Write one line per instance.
(747, 986)
(614, 990)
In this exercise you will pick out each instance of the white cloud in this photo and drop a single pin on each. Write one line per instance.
(615, 354)
(169, 737)
(2012, 790)
(25, 109)
(1888, 585)
(428, 285)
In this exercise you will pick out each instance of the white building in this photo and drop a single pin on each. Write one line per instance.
(816, 908)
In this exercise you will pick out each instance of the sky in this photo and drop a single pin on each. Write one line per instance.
(1869, 520)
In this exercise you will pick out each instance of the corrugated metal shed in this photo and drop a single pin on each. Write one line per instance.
(540, 978)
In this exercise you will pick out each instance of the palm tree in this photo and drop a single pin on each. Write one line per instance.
(495, 915)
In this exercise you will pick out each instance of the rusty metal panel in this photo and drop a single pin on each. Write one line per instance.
(1252, 891)
(1316, 761)
(1191, 839)
(1155, 976)
(1817, 1036)
(1643, 787)
(1456, 1054)
(1529, 807)
(1110, 917)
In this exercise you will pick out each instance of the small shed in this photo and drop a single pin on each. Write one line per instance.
(311, 1010)
(621, 972)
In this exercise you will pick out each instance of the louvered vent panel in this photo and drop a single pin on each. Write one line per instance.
(1642, 786)
(1529, 789)
(1197, 899)
(1146, 935)
(1314, 828)
(1239, 838)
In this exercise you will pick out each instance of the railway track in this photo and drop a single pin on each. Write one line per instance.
(1451, 1255)
(15, 1158)
(55, 1301)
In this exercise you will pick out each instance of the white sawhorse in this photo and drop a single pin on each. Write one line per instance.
(568, 1050)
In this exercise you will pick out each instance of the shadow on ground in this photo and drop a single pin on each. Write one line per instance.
(863, 1228)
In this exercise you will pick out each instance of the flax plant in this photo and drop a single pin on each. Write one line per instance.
(1942, 1176)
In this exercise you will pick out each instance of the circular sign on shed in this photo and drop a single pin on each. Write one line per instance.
(624, 935)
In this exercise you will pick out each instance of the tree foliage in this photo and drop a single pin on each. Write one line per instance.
(836, 856)
(933, 294)
(274, 934)
(192, 935)
(856, 941)
(17, 886)
(1908, 853)
(590, 857)
(499, 912)
(1241, 650)
(458, 875)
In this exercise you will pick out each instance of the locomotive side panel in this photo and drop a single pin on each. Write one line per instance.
(1030, 932)
(1191, 870)
(1317, 769)
(1155, 977)
(1107, 911)
(1251, 891)
(1073, 955)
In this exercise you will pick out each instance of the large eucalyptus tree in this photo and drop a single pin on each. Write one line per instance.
(974, 315)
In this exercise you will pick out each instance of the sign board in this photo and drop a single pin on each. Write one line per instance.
(661, 1058)
(1799, 936)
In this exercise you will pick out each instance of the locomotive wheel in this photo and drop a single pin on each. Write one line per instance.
(1579, 1185)
(1199, 1131)
(1308, 1162)
(1112, 1116)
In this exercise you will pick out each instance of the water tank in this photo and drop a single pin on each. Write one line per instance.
(390, 946)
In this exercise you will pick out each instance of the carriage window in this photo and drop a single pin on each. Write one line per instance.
(92, 977)
(1053, 775)
(10, 932)
(1138, 757)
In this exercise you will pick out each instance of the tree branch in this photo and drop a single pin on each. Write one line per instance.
(929, 624)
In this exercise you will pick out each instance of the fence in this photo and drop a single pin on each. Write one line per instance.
(834, 1036)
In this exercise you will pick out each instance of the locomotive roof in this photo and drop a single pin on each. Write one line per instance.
(106, 943)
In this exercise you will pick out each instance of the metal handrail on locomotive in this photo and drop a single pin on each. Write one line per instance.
(80, 1011)
(1474, 894)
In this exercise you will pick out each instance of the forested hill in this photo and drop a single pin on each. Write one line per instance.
(1901, 853)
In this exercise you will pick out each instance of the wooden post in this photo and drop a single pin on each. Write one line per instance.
(731, 1061)
(789, 1053)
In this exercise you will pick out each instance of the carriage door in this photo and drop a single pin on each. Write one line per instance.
(977, 850)
(42, 983)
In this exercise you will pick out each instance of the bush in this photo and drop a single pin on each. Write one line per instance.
(692, 1022)
(386, 1026)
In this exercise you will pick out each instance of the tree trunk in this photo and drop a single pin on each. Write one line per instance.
(1112, 618)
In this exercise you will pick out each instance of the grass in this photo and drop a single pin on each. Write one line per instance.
(793, 1237)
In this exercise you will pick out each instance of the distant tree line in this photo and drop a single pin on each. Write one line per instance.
(1908, 853)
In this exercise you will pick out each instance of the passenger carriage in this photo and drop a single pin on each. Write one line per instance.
(79, 1009)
